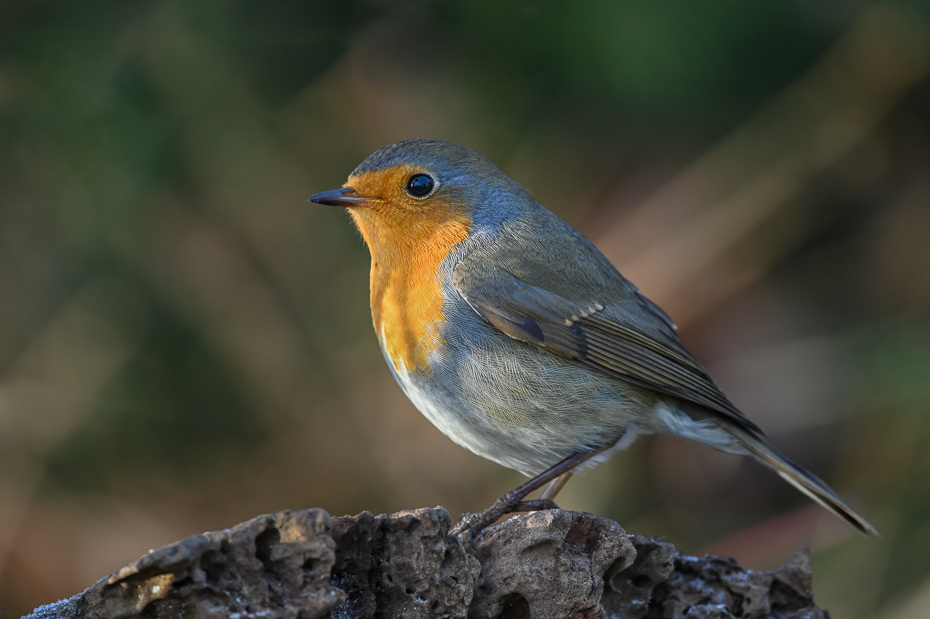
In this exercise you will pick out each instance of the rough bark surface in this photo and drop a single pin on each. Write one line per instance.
(302, 564)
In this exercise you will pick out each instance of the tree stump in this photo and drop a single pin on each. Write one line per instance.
(545, 565)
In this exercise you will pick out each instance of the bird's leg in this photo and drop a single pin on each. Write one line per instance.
(513, 500)
(555, 486)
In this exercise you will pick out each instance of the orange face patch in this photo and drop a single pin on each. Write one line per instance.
(408, 238)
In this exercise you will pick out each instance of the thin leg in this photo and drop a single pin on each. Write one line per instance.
(513, 500)
(555, 486)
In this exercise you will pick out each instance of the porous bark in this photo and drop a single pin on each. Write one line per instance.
(549, 564)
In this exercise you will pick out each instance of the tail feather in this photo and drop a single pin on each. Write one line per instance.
(804, 481)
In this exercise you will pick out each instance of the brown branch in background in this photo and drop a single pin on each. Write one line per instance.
(686, 231)
(50, 390)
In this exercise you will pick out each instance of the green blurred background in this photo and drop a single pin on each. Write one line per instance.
(185, 342)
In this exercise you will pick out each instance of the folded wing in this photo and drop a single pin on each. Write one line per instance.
(632, 339)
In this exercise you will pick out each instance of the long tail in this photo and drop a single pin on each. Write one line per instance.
(804, 481)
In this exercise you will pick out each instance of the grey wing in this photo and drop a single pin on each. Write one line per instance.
(632, 340)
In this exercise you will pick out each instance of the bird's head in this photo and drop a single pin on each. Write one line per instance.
(413, 191)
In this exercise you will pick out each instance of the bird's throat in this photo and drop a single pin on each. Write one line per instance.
(406, 285)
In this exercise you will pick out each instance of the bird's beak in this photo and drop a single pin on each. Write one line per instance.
(344, 196)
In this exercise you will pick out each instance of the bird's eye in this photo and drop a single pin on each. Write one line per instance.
(420, 185)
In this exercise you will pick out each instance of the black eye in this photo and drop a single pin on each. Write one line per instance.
(419, 185)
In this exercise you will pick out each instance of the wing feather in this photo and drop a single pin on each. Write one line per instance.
(633, 340)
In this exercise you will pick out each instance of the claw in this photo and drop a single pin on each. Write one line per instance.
(474, 523)
(536, 506)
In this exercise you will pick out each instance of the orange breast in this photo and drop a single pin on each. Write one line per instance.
(407, 247)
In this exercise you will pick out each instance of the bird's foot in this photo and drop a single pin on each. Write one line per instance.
(471, 524)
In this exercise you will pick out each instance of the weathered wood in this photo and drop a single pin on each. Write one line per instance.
(549, 564)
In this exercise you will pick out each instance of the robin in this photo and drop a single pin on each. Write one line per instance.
(518, 339)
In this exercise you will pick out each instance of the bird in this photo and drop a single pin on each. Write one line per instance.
(517, 338)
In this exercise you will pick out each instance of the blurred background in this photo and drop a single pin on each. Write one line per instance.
(185, 342)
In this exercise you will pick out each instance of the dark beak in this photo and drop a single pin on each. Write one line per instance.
(344, 196)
